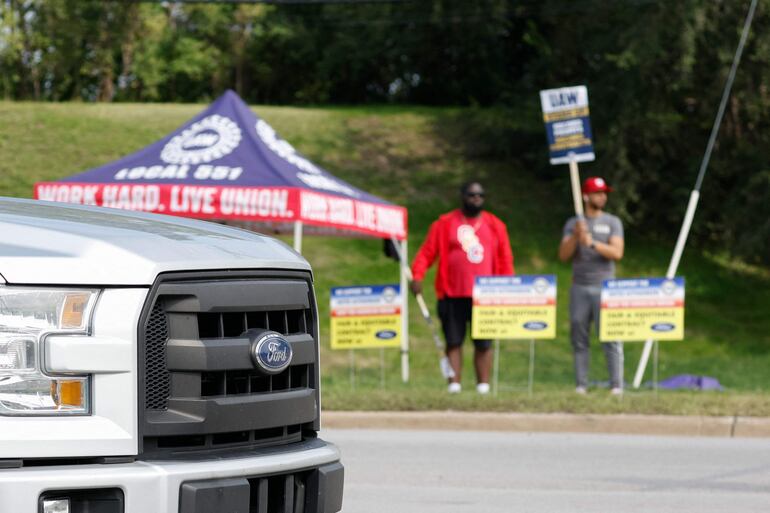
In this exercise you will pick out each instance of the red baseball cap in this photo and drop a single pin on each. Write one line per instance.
(595, 184)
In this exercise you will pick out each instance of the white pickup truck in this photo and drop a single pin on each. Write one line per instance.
(151, 364)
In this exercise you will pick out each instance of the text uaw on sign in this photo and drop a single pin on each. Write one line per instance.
(567, 124)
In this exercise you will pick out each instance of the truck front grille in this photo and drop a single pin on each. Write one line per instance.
(201, 388)
(157, 376)
(308, 491)
(252, 382)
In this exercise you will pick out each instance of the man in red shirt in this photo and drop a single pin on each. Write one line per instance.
(468, 242)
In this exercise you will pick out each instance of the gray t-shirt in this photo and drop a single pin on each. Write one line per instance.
(588, 266)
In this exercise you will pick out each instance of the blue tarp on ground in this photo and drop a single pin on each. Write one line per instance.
(690, 382)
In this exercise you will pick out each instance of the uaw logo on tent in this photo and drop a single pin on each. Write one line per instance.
(309, 173)
(209, 139)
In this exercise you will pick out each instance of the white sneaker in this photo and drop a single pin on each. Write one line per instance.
(482, 388)
(581, 390)
(616, 391)
(454, 388)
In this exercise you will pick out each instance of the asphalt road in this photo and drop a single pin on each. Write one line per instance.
(489, 472)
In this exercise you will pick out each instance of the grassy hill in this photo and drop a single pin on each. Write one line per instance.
(417, 157)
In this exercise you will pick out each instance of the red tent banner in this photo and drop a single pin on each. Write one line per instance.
(276, 204)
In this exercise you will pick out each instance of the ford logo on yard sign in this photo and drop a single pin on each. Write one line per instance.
(270, 351)
(663, 326)
(535, 325)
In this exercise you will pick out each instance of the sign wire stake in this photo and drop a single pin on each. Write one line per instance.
(530, 385)
(496, 368)
(352, 369)
(655, 368)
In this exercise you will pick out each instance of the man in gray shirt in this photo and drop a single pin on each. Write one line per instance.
(593, 244)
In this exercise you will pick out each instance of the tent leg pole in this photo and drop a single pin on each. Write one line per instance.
(404, 312)
(298, 236)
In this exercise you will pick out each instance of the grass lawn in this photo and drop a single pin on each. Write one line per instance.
(416, 157)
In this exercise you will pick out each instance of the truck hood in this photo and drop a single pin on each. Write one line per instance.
(56, 243)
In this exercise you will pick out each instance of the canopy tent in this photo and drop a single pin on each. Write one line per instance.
(228, 164)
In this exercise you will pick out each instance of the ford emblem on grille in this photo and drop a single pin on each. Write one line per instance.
(271, 352)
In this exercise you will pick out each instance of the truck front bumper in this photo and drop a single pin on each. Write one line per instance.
(305, 477)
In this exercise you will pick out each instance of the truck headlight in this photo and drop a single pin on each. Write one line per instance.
(27, 315)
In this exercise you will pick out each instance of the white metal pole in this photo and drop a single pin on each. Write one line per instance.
(404, 267)
(695, 195)
(670, 274)
(298, 236)
(692, 205)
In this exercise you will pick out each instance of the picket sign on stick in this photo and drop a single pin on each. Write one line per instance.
(568, 132)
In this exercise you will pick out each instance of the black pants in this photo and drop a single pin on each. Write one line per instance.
(455, 314)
